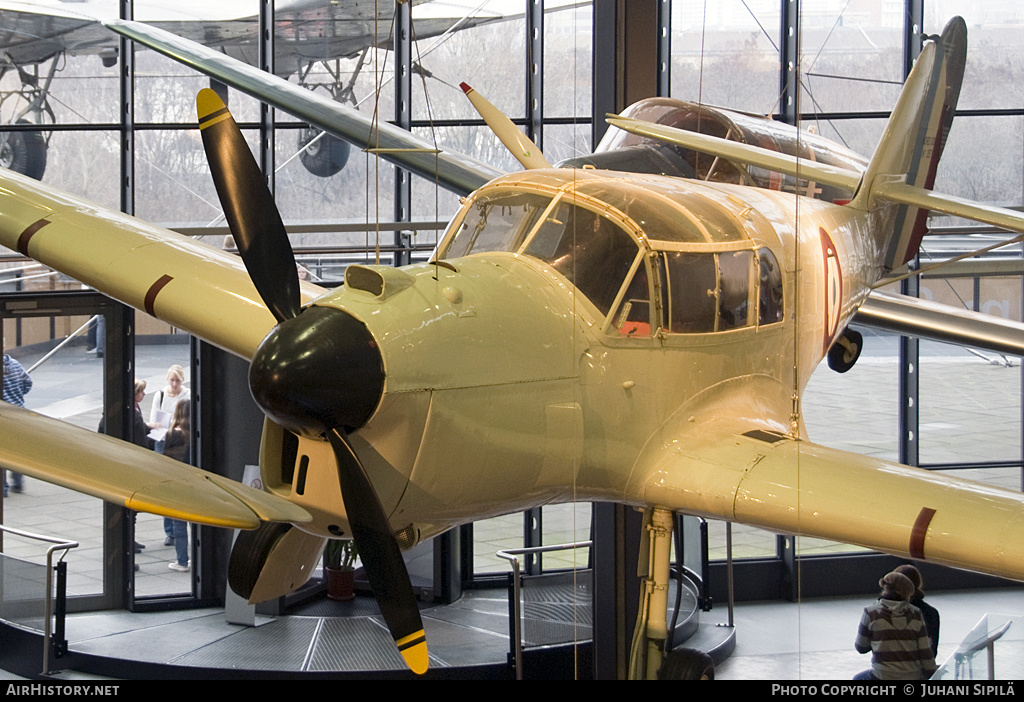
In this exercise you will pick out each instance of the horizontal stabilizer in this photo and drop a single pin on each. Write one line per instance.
(898, 192)
(912, 316)
(128, 475)
(742, 153)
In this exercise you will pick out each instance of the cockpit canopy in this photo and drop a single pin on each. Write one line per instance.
(622, 151)
(648, 253)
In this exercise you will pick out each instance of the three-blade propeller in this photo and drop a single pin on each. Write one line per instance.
(318, 373)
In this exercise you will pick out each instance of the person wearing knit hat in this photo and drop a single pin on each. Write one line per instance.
(896, 586)
(929, 613)
(894, 632)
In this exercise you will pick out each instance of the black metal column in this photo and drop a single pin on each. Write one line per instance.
(403, 119)
(119, 402)
(626, 36)
(535, 72)
(616, 536)
(789, 77)
(664, 48)
(226, 428)
(266, 61)
(126, 50)
(909, 347)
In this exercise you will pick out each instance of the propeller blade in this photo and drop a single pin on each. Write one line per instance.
(520, 145)
(382, 558)
(249, 207)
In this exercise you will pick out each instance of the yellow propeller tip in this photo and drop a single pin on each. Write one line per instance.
(208, 101)
(210, 108)
(414, 651)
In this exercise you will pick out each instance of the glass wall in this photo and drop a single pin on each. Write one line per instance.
(727, 54)
(332, 196)
(850, 69)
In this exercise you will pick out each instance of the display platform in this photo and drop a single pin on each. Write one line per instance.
(468, 640)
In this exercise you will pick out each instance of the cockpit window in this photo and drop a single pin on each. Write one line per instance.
(633, 316)
(593, 252)
(708, 292)
(734, 283)
(496, 223)
(769, 307)
(692, 284)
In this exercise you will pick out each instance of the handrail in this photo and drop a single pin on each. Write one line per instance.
(988, 642)
(511, 556)
(58, 545)
(67, 340)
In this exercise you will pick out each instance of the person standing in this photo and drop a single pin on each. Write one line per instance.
(160, 417)
(17, 383)
(165, 400)
(178, 445)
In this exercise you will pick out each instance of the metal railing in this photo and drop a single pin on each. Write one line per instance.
(517, 612)
(980, 639)
(63, 546)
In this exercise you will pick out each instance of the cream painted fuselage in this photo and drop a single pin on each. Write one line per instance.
(507, 388)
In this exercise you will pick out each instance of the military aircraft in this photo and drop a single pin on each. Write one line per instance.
(597, 331)
(36, 36)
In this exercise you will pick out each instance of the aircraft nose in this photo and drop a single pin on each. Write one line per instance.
(317, 371)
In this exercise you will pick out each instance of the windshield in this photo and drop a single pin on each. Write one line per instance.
(496, 223)
(594, 253)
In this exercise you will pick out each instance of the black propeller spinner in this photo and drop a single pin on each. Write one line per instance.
(318, 373)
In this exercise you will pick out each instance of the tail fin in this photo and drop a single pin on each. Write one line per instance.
(915, 136)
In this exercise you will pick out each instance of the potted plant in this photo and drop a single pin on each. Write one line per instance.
(339, 565)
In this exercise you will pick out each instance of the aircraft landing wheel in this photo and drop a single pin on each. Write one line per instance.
(687, 664)
(250, 553)
(325, 156)
(23, 152)
(845, 351)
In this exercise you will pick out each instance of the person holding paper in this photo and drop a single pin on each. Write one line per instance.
(160, 417)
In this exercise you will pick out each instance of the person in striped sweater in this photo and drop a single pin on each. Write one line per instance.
(894, 631)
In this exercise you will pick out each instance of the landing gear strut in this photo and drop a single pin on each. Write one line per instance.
(648, 657)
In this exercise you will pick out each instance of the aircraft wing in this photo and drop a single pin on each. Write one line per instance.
(729, 468)
(128, 475)
(190, 285)
(454, 171)
(31, 32)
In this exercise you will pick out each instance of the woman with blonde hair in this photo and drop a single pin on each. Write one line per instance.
(160, 417)
(165, 400)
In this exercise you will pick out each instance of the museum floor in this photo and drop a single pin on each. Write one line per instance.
(810, 640)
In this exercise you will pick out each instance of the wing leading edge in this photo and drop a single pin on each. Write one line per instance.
(456, 172)
(133, 477)
(186, 283)
(759, 476)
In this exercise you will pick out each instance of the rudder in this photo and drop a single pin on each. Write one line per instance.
(915, 137)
